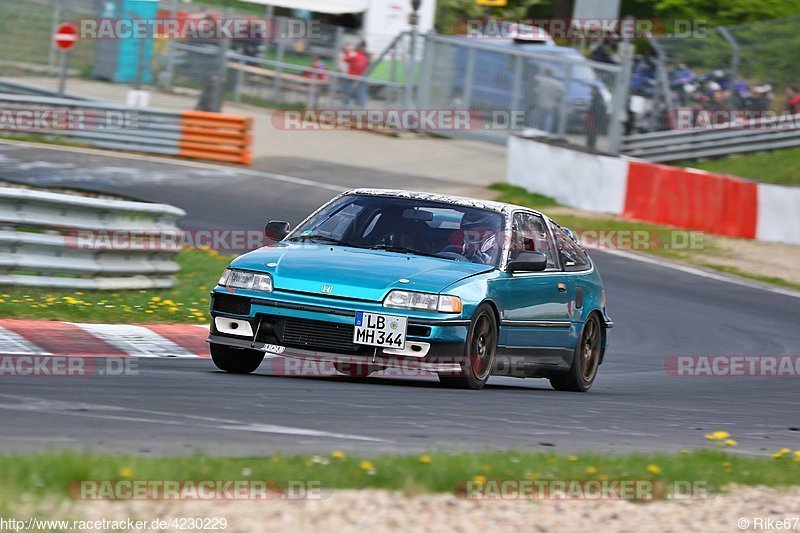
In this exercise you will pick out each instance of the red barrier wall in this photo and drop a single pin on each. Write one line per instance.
(691, 199)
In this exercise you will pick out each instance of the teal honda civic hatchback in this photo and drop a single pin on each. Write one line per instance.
(379, 279)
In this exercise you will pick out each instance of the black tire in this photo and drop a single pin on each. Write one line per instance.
(481, 350)
(355, 370)
(235, 360)
(588, 353)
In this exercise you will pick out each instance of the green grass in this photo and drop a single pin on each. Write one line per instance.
(186, 302)
(50, 473)
(779, 166)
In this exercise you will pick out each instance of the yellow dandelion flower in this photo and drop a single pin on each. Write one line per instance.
(338, 454)
(155, 299)
(366, 465)
(726, 464)
(731, 442)
(780, 453)
(602, 477)
(591, 470)
(654, 469)
(126, 471)
(480, 479)
(425, 459)
(572, 458)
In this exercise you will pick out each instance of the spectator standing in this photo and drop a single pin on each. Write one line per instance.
(357, 62)
(793, 104)
(595, 119)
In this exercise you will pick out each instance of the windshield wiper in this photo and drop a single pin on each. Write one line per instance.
(405, 250)
(325, 238)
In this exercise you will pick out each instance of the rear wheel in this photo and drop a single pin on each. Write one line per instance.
(481, 350)
(235, 360)
(581, 374)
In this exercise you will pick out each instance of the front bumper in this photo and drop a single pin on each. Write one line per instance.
(439, 359)
(320, 328)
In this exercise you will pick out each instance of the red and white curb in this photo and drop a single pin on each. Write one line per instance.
(42, 337)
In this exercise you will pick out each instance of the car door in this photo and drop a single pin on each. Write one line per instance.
(535, 310)
(577, 267)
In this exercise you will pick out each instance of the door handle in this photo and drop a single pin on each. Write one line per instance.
(562, 287)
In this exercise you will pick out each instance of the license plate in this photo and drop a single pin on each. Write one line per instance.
(384, 331)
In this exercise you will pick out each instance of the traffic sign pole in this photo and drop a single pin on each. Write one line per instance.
(62, 74)
(65, 38)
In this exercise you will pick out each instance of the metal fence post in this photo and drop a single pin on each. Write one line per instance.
(426, 72)
(170, 70)
(620, 104)
(564, 104)
(735, 52)
(516, 88)
(468, 75)
(276, 88)
(58, 12)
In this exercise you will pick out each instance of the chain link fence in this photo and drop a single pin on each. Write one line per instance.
(745, 68)
(551, 89)
(26, 36)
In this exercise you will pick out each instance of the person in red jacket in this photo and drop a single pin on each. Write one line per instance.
(357, 62)
(793, 105)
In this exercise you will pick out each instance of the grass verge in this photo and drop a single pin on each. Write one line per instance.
(50, 473)
(778, 166)
(186, 302)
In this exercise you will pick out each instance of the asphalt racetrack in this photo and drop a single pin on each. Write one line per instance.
(186, 405)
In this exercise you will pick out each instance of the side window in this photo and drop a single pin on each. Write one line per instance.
(530, 235)
(572, 255)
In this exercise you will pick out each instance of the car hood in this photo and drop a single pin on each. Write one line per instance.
(354, 272)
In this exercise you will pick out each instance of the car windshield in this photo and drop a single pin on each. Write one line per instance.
(406, 225)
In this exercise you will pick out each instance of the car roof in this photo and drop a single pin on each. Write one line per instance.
(463, 201)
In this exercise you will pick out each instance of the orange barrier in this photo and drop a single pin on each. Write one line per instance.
(693, 199)
(216, 137)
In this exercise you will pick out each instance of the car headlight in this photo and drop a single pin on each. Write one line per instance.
(424, 301)
(241, 279)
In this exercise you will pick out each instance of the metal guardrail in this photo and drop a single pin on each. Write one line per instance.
(677, 145)
(190, 134)
(8, 86)
(61, 240)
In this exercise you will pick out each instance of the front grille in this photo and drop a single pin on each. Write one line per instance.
(323, 336)
(228, 303)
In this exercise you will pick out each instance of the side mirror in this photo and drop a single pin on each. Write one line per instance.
(528, 262)
(276, 230)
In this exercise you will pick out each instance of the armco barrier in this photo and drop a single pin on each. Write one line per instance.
(41, 244)
(191, 134)
(640, 190)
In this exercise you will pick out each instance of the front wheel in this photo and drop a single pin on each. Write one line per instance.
(480, 352)
(580, 376)
(236, 360)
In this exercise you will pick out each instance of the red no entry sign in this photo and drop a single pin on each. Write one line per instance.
(66, 36)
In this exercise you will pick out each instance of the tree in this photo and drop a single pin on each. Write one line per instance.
(451, 13)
